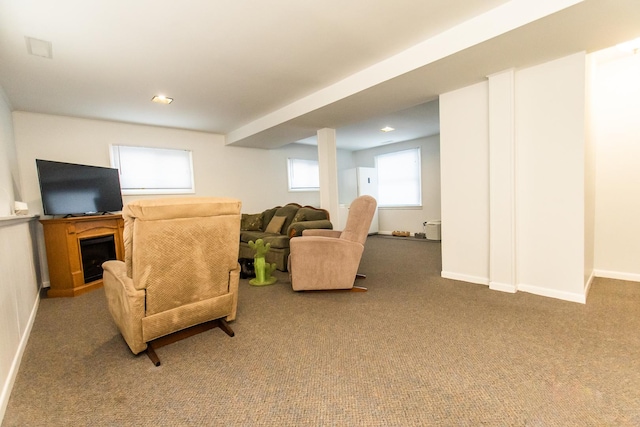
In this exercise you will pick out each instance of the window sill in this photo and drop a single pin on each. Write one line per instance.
(393, 208)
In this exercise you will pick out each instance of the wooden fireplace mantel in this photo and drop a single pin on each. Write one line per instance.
(62, 238)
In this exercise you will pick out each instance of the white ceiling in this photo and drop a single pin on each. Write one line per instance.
(234, 66)
(411, 123)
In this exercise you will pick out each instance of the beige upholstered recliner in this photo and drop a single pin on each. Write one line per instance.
(180, 270)
(329, 259)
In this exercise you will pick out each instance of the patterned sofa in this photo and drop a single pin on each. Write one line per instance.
(276, 226)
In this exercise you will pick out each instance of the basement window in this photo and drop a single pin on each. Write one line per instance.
(145, 170)
(399, 179)
(304, 175)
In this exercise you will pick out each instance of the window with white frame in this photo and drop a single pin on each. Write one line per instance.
(399, 178)
(146, 170)
(304, 175)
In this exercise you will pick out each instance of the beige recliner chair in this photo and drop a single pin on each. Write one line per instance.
(180, 270)
(329, 259)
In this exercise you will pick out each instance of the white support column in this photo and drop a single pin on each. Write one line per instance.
(502, 173)
(328, 162)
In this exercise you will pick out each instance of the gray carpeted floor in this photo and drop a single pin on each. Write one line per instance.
(415, 350)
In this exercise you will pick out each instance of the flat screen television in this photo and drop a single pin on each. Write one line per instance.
(72, 189)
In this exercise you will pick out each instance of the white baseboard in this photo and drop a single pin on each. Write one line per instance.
(536, 290)
(552, 293)
(464, 278)
(607, 274)
(503, 287)
(15, 364)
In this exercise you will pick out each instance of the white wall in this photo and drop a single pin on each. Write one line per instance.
(550, 176)
(18, 275)
(589, 179)
(18, 297)
(410, 219)
(347, 189)
(257, 177)
(502, 191)
(8, 163)
(464, 153)
(616, 109)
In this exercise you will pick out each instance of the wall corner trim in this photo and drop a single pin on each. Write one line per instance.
(503, 287)
(464, 277)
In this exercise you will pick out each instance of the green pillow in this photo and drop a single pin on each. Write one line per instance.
(251, 222)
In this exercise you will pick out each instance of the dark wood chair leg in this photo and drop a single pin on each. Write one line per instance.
(152, 354)
(222, 324)
(153, 345)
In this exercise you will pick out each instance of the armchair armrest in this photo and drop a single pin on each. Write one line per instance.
(323, 263)
(116, 271)
(126, 303)
(297, 228)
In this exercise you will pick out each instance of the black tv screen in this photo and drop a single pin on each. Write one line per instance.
(72, 189)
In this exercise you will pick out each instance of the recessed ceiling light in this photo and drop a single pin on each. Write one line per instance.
(387, 129)
(161, 99)
(41, 48)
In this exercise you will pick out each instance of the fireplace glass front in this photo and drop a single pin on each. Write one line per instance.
(95, 251)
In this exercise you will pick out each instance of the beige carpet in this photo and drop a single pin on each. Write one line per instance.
(415, 350)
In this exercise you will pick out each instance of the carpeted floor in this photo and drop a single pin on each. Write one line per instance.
(415, 350)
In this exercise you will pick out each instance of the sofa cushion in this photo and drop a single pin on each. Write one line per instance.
(297, 228)
(277, 241)
(275, 225)
(246, 236)
(288, 211)
(267, 216)
(251, 222)
(299, 216)
(310, 214)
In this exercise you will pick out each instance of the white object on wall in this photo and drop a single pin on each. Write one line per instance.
(359, 181)
(21, 208)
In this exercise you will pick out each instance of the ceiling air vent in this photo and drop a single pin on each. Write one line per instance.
(41, 48)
